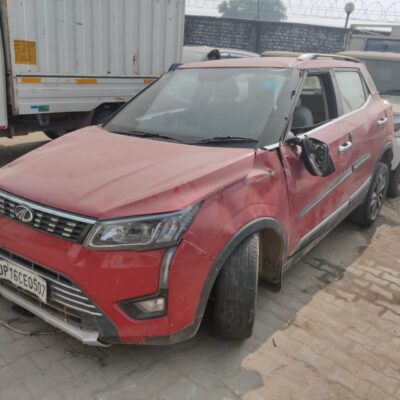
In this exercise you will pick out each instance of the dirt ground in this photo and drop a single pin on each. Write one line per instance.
(332, 333)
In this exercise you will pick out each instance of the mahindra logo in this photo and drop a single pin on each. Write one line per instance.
(24, 214)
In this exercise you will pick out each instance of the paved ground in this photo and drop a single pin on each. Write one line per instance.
(332, 333)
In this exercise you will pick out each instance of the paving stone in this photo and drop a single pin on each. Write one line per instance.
(40, 383)
(16, 391)
(387, 294)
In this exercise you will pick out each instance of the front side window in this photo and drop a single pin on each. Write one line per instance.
(351, 90)
(198, 104)
(316, 104)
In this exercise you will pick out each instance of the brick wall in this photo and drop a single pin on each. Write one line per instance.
(260, 36)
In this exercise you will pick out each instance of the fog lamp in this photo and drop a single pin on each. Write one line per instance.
(147, 308)
(152, 306)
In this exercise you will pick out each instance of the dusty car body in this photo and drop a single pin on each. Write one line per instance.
(218, 175)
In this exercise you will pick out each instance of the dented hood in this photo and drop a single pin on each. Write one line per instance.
(99, 174)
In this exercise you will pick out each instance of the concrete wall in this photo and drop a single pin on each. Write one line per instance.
(260, 36)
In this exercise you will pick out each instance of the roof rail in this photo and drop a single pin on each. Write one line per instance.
(316, 56)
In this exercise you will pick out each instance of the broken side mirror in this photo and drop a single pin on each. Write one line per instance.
(315, 156)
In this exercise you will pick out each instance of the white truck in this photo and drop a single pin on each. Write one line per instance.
(65, 64)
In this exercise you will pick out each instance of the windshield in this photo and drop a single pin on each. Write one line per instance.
(193, 105)
(385, 75)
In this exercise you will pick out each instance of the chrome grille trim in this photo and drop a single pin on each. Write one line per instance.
(68, 293)
(55, 222)
(64, 296)
(93, 313)
(47, 210)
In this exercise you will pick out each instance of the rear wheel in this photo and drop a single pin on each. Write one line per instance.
(394, 183)
(369, 211)
(236, 291)
(52, 134)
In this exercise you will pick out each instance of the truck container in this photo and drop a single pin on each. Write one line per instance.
(66, 64)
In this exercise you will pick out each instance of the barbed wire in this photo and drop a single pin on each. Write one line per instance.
(368, 11)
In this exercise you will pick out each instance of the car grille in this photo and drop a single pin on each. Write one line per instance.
(65, 225)
(65, 298)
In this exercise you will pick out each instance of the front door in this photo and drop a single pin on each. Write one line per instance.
(315, 202)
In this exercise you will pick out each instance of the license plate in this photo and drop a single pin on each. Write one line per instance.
(24, 279)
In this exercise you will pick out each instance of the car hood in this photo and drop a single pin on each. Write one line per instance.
(99, 174)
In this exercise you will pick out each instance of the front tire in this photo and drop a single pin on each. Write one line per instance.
(236, 291)
(368, 212)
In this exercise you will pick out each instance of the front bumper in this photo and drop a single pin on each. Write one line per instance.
(88, 337)
(108, 278)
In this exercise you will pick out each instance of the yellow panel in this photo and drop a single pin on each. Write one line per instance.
(31, 79)
(147, 81)
(86, 81)
(25, 52)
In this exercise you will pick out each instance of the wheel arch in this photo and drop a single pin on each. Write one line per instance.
(269, 228)
(387, 155)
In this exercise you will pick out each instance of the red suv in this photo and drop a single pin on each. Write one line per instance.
(219, 175)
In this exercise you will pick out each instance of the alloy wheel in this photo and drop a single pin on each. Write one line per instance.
(378, 196)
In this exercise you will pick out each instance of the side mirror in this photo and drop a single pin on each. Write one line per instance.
(315, 156)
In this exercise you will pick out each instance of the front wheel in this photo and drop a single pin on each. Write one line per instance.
(236, 291)
(368, 212)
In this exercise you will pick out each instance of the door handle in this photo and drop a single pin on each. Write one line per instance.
(382, 121)
(345, 146)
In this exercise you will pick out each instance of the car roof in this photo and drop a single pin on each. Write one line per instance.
(275, 62)
(372, 55)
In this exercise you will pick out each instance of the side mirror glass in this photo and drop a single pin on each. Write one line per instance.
(316, 157)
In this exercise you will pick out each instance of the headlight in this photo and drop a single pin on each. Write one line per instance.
(141, 233)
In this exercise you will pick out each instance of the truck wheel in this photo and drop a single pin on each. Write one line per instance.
(394, 183)
(52, 134)
(368, 212)
(236, 291)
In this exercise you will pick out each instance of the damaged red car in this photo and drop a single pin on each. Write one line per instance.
(218, 176)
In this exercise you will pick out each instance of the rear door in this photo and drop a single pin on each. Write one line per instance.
(363, 114)
(316, 202)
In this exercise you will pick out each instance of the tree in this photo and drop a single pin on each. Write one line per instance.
(272, 10)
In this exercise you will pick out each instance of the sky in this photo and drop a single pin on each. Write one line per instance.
(327, 12)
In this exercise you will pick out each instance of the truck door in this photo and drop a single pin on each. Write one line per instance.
(3, 88)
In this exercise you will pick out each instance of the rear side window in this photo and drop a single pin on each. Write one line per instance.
(352, 90)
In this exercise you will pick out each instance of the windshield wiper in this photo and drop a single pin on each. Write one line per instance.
(144, 134)
(227, 139)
